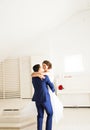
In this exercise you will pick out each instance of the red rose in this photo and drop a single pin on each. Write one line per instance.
(60, 87)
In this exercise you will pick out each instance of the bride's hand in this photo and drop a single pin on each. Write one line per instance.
(41, 76)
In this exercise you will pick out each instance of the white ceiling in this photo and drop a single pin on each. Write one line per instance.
(33, 16)
(25, 19)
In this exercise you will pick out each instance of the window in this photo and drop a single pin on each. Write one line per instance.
(73, 63)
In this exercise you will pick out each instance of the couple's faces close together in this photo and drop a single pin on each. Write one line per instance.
(43, 68)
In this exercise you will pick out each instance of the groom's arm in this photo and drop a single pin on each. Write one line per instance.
(38, 74)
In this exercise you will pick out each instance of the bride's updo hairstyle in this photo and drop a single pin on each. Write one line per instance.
(48, 63)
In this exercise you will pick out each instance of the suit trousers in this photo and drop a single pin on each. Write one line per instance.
(49, 111)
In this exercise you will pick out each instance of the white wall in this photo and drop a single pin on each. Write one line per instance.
(72, 38)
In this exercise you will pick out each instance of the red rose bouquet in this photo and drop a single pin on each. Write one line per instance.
(60, 87)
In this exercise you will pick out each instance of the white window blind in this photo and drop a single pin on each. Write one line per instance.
(11, 82)
(15, 78)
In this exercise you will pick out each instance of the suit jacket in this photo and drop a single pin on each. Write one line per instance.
(41, 93)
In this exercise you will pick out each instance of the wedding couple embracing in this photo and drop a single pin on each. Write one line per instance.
(44, 95)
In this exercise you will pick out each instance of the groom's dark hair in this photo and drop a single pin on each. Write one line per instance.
(36, 67)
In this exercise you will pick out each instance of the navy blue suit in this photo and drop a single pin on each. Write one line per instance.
(42, 98)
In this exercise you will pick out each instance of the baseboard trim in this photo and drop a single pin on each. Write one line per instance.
(76, 106)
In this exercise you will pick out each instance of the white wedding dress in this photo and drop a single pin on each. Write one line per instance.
(56, 104)
(57, 107)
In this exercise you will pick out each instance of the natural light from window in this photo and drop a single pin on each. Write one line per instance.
(73, 63)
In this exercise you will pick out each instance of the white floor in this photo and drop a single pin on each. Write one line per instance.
(74, 118)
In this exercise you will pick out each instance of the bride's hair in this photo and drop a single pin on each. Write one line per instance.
(48, 63)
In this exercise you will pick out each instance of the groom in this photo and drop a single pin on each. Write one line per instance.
(42, 98)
